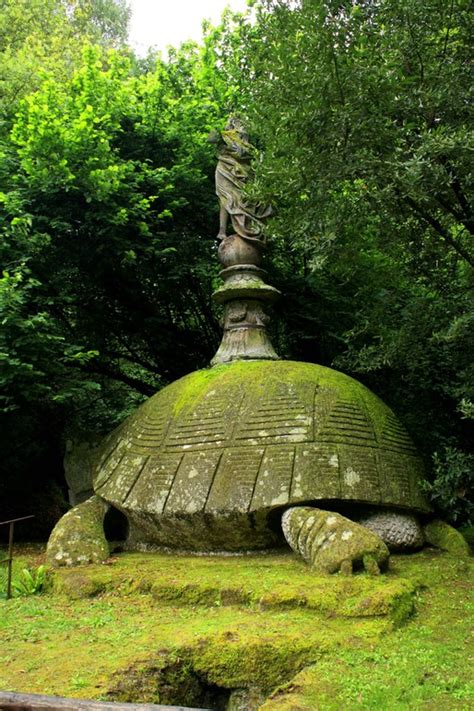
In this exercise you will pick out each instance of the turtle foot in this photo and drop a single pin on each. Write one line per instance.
(79, 537)
(331, 543)
(441, 535)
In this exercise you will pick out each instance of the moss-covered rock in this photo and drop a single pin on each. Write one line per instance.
(78, 537)
(441, 535)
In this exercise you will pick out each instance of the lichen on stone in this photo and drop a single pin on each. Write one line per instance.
(331, 543)
(246, 439)
(78, 538)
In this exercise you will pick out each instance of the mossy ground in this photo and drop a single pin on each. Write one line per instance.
(263, 620)
(426, 664)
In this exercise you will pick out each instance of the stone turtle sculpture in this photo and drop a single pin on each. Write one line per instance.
(255, 451)
(245, 455)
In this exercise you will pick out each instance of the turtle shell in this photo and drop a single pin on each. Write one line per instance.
(204, 462)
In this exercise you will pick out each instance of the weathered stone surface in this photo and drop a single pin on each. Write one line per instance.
(209, 461)
(78, 537)
(235, 250)
(330, 542)
(245, 297)
(441, 535)
(245, 699)
(399, 531)
(232, 173)
(79, 460)
(244, 292)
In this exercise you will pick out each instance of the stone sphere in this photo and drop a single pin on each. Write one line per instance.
(234, 251)
(211, 461)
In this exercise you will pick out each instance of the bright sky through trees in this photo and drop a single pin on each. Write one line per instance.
(158, 23)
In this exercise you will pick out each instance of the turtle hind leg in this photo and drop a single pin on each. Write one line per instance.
(399, 530)
(331, 543)
(402, 531)
(78, 536)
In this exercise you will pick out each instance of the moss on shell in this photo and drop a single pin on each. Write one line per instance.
(245, 440)
(264, 375)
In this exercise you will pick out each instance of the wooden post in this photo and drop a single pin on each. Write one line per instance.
(10, 560)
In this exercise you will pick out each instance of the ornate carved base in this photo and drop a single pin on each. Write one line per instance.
(245, 336)
(246, 298)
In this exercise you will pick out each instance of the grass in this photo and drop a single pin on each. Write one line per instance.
(264, 621)
(426, 664)
(31, 560)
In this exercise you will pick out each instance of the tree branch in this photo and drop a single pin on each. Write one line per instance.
(446, 37)
(449, 208)
(101, 369)
(438, 227)
(468, 222)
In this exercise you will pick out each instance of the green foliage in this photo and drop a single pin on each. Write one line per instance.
(110, 188)
(361, 111)
(451, 490)
(369, 102)
(106, 235)
(25, 580)
(362, 114)
(44, 38)
(104, 21)
(31, 581)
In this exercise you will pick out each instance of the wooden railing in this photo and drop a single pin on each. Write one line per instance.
(34, 702)
(9, 559)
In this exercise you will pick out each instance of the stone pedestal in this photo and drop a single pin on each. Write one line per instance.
(246, 299)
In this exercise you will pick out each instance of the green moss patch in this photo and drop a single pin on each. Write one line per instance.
(441, 535)
(144, 627)
(263, 581)
(423, 665)
(265, 374)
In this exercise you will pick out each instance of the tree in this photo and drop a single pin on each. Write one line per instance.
(108, 239)
(362, 110)
(109, 215)
(45, 38)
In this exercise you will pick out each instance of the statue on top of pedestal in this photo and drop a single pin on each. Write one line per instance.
(232, 173)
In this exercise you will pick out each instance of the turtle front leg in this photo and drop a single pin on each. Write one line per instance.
(78, 536)
(331, 543)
